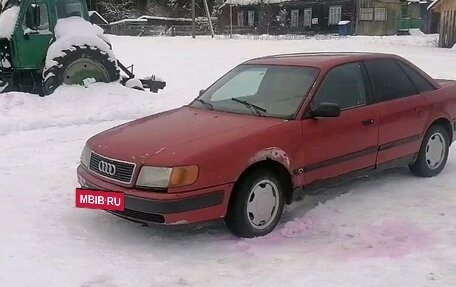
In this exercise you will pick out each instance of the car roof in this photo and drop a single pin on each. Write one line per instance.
(320, 60)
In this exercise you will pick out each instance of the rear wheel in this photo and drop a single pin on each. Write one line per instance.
(433, 153)
(256, 204)
(77, 65)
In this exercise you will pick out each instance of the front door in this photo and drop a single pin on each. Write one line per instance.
(294, 18)
(336, 146)
(403, 110)
(308, 18)
(251, 18)
(33, 35)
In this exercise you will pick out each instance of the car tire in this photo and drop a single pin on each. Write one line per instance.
(433, 153)
(256, 204)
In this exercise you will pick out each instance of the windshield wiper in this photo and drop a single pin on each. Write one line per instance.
(258, 110)
(209, 106)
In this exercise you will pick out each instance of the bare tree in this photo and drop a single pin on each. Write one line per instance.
(118, 10)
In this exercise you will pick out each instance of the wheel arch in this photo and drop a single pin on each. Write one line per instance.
(273, 165)
(446, 124)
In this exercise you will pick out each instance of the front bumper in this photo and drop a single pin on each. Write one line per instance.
(170, 209)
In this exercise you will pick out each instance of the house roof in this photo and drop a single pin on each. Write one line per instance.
(99, 16)
(433, 4)
(253, 2)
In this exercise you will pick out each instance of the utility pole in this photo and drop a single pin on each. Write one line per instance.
(193, 20)
(209, 18)
(231, 21)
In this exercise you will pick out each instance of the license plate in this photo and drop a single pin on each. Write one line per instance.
(97, 199)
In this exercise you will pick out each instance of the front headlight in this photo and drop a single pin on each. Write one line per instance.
(85, 156)
(164, 177)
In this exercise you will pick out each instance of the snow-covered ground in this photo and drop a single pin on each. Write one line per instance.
(392, 229)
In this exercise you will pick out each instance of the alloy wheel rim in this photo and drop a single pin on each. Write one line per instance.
(435, 150)
(263, 204)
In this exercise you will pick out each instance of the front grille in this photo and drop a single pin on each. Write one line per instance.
(123, 170)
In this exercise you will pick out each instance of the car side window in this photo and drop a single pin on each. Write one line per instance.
(420, 82)
(388, 80)
(343, 85)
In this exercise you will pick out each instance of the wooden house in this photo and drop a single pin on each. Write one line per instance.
(282, 16)
(447, 25)
(388, 17)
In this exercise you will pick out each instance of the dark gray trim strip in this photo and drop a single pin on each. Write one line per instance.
(399, 142)
(335, 160)
(173, 206)
(350, 156)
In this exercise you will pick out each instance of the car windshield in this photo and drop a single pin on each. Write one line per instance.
(272, 91)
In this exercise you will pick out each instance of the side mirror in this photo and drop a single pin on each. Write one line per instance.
(201, 92)
(325, 110)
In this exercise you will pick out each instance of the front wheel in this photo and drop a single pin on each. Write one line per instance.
(256, 205)
(433, 153)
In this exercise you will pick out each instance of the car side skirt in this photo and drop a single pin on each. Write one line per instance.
(318, 186)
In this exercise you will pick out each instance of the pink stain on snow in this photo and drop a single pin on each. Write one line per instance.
(390, 239)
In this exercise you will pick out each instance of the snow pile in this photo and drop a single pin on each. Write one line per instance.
(426, 40)
(454, 47)
(76, 105)
(8, 20)
(75, 31)
(416, 32)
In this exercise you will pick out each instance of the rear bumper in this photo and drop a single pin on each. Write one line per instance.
(190, 207)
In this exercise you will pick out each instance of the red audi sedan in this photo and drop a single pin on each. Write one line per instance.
(268, 130)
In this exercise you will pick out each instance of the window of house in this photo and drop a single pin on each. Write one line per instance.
(343, 85)
(420, 82)
(388, 80)
(366, 14)
(240, 18)
(380, 14)
(308, 17)
(294, 18)
(335, 15)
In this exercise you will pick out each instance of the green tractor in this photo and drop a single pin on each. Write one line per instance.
(47, 43)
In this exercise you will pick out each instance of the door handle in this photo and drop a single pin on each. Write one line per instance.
(368, 122)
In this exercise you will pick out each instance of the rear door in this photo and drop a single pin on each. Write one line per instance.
(336, 146)
(402, 109)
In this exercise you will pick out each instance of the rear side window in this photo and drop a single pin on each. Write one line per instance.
(420, 82)
(389, 81)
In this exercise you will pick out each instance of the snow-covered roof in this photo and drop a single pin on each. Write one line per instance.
(128, 20)
(253, 2)
(99, 16)
(433, 4)
(164, 18)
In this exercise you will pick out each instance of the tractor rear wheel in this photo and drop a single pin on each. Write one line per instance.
(78, 64)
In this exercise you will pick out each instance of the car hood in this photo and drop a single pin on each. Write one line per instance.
(173, 137)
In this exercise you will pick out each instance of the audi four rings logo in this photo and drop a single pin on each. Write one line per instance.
(107, 168)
